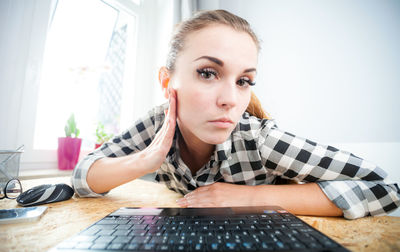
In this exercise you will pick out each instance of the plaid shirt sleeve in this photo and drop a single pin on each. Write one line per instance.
(358, 187)
(133, 140)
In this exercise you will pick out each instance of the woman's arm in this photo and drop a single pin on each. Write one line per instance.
(302, 199)
(338, 182)
(356, 186)
(129, 156)
(108, 173)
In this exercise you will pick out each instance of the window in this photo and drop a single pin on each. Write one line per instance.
(97, 59)
(87, 68)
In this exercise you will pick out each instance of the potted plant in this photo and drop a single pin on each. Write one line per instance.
(101, 135)
(69, 147)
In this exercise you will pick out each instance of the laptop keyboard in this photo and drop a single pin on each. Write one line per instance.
(265, 232)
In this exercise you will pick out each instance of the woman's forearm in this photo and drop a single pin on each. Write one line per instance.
(301, 199)
(108, 173)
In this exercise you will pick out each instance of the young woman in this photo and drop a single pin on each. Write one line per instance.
(213, 143)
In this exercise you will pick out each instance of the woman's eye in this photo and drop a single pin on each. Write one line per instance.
(243, 82)
(207, 74)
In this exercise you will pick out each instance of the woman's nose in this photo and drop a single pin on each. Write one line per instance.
(227, 96)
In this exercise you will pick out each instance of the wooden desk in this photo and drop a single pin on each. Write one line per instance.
(64, 219)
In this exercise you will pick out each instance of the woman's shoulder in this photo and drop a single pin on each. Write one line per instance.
(250, 127)
(249, 122)
(152, 120)
(157, 115)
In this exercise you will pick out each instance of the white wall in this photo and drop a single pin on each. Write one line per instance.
(329, 71)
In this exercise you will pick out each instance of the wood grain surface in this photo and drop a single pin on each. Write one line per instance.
(64, 219)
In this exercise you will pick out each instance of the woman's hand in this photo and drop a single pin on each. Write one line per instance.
(218, 195)
(301, 199)
(154, 155)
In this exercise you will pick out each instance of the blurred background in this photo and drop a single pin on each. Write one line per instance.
(328, 70)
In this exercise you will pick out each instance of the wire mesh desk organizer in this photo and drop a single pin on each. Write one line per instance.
(10, 186)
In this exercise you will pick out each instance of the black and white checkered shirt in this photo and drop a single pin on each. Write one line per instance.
(256, 153)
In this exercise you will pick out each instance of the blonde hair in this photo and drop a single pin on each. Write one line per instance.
(203, 19)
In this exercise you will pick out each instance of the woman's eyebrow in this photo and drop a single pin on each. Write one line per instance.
(215, 60)
(221, 63)
(250, 70)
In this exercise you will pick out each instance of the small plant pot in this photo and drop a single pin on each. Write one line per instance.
(68, 152)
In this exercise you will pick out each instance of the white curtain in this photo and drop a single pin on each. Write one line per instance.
(184, 9)
(23, 29)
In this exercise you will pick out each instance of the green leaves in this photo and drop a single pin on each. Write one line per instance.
(101, 135)
(70, 127)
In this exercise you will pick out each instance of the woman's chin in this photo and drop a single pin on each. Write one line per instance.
(215, 138)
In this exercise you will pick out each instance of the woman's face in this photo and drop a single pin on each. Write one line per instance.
(212, 78)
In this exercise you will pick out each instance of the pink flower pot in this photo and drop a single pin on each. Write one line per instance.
(68, 152)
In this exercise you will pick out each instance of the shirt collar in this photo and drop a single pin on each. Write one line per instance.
(223, 151)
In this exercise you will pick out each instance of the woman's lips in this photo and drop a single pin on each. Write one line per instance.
(222, 123)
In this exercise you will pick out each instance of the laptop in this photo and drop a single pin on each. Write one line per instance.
(267, 228)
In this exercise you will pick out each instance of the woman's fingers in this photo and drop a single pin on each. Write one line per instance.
(170, 120)
(167, 131)
(218, 194)
(195, 202)
(197, 198)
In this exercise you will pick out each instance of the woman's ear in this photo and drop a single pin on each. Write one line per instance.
(164, 78)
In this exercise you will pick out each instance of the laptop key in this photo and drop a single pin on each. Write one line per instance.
(91, 231)
(248, 246)
(248, 239)
(124, 226)
(215, 246)
(106, 232)
(181, 247)
(158, 240)
(328, 244)
(140, 239)
(99, 246)
(278, 226)
(138, 227)
(267, 246)
(163, 247)
(297, 245)
(132, 246)
(83, 245)
(104, 239)
(105, 226)
(122, 239)
(116, 246)
(231, 246)
(314, 244)
(148, 246)
(122, 232)
(281, 245)
(199, 247)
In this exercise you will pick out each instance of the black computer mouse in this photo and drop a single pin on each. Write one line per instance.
(44, 194)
